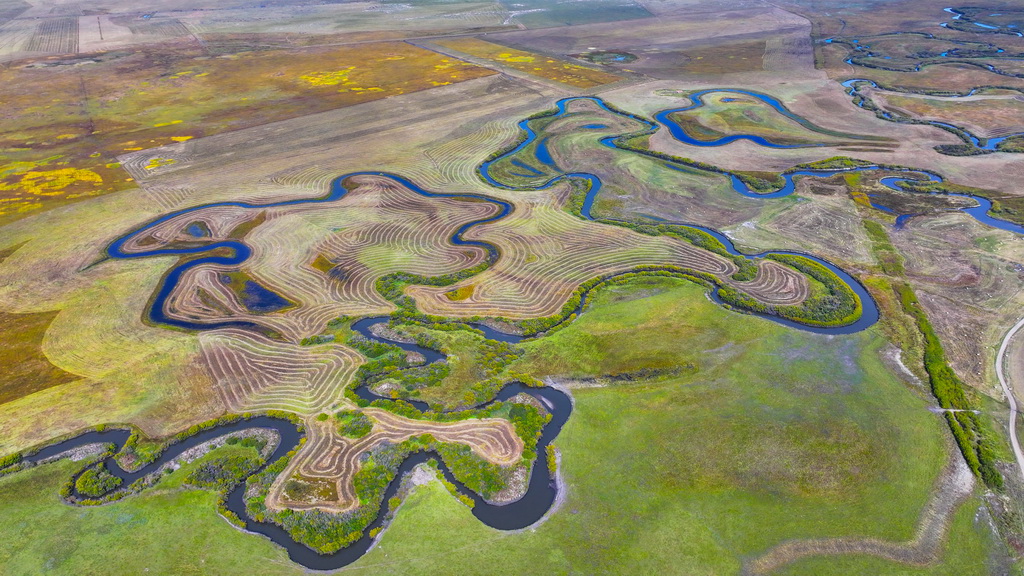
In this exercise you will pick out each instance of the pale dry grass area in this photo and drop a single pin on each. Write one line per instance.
(969, 280)
(824, 103)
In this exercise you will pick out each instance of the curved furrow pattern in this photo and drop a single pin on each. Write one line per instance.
(776, 284)
(252, 372)
(329, 456)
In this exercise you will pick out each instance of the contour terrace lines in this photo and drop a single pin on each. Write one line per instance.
(378, 228)
(776, 283)
(547, 253)
(327, 455)
(252, 372)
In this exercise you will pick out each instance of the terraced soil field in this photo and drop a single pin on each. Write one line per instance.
(596, 287)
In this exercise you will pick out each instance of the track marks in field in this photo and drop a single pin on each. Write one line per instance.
(58, 35)
(331, 457)
(776, 284)
(252, 372)
(546, 253)
(379, 228)
(954, 487)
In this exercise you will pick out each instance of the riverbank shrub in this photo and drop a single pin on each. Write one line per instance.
(551, 455)
(973, 440)
(353, 424)
(223, 472)
(833, 163)
(95, 481)
(10, 460)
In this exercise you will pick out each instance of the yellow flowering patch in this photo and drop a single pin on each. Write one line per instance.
(23, 179)
(327, 78)
(533, 64)
(53, 182)
(148, 105)
(23, 186)
(509, 57)
(155, 163)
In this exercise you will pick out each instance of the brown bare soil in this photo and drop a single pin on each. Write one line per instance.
(26, 369)
(725, 59)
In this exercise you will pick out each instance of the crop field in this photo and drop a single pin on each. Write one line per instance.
(544, 286)
(67, 148)
(728, 59)
(531, 63)
(58, 35)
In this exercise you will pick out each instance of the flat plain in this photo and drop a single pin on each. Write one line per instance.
(569, 287)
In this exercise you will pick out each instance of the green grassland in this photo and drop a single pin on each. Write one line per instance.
(770, 434)
(727, 113)
(473, 373)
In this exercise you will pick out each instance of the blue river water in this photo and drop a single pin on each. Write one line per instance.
(983, 144)
(540, 493)
(870, 310)
(665, 118)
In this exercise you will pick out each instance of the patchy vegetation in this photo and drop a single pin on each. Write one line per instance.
(531, 63)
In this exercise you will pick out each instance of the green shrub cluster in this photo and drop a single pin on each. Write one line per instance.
(833, 163)
(885, 252)
(95, 481)
(318, 339)
(393, 286)
(479, 475)
(353, 424)
(552, 459)
(975, 444)
(837, 306)
(223, 472)
(10, 460)
(257, 444)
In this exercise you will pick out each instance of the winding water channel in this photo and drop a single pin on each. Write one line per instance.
(542, 490)
(540, 495)
(990, 144)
